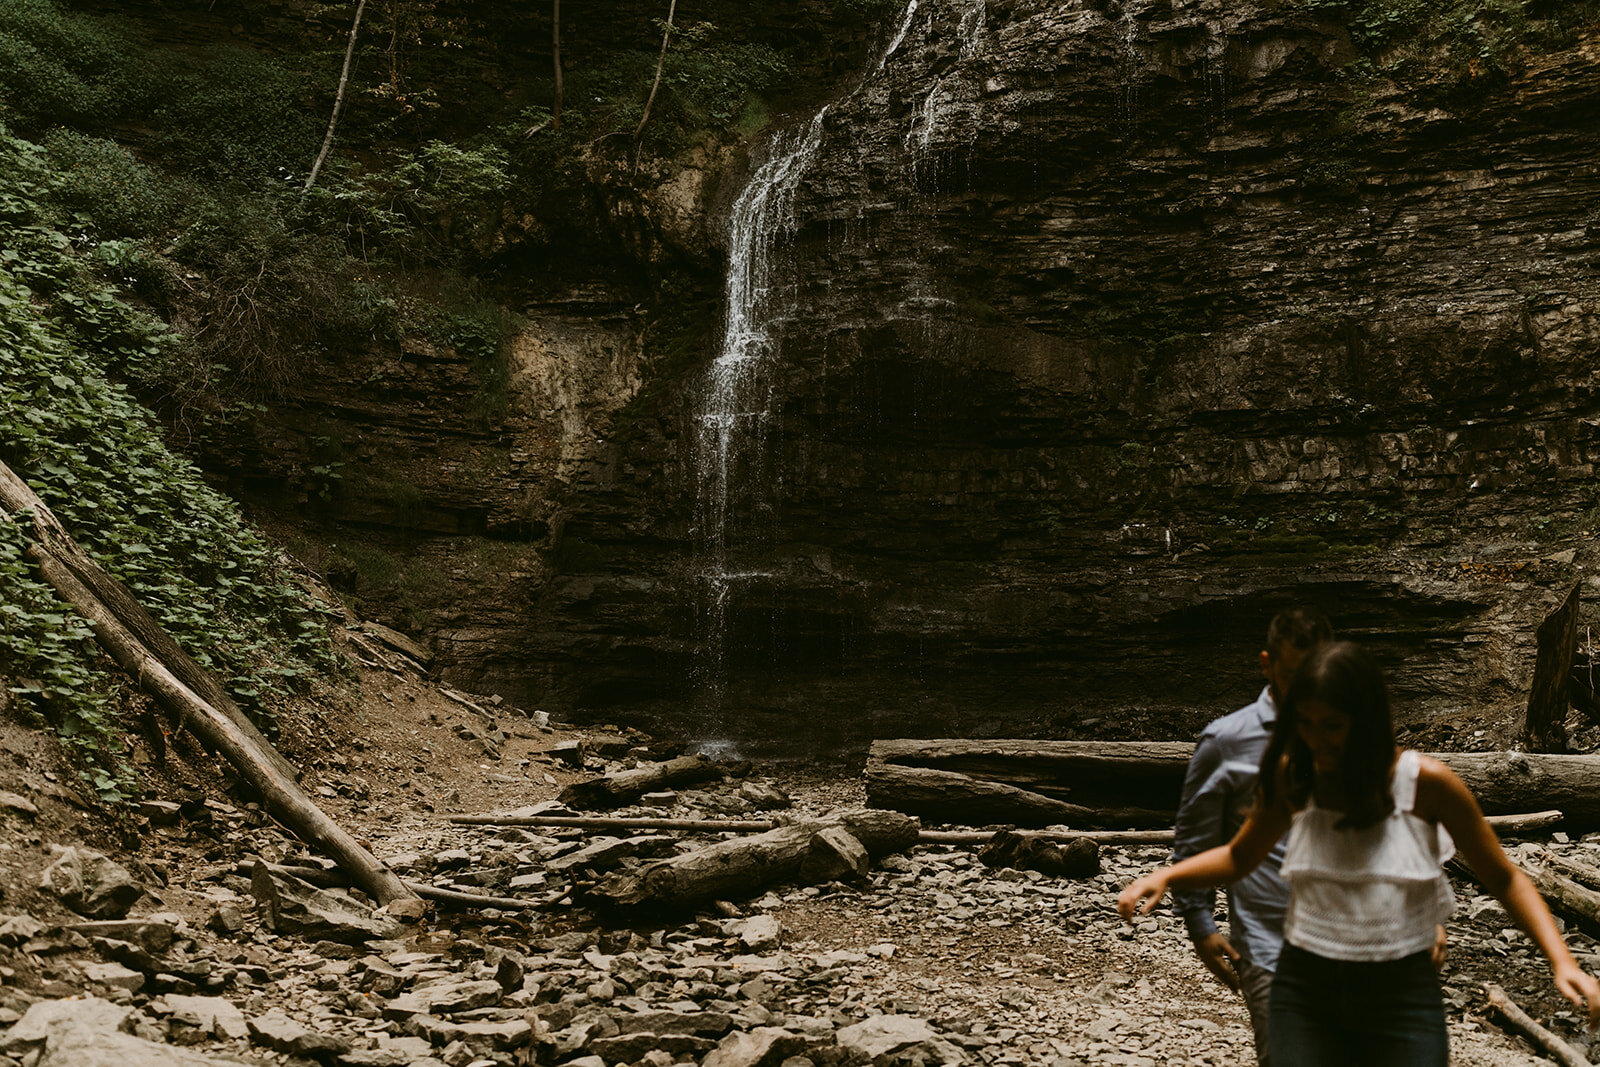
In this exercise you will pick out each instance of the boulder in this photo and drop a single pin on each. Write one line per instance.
(282, 1034)
(89, 1013)
(215, 1015)
(90, 884)
(73, 1045)
(765, 1046)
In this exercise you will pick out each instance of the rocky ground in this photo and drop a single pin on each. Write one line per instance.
(150, 943)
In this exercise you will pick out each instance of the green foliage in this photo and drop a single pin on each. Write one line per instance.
(239, 117)
(59, 67)
(99, 180)
(276, 290)
(96, 457)
(1475, 44)
(427, 206)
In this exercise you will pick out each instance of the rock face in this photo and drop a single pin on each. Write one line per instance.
(1100, 343)
(1103, 331)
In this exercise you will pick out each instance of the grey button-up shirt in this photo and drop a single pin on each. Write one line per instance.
(1218, 792)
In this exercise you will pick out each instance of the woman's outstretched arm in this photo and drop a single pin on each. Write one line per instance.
(1443, 797)
(1216, 866)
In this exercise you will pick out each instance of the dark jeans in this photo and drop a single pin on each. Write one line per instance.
(1329, 1013)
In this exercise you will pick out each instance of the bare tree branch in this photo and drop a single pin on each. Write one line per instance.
(338, 100)
(666, 34)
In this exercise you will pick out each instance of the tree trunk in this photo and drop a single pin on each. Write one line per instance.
(624, 787)
(661, 61)
(338, 100)
(555, 54)
(1148, 776)
(1545, 728)
(729, 870)
(282, 795)
(17, 496)
(950, 797)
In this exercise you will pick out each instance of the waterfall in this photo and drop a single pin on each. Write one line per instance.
(734, 414)
(942, 97)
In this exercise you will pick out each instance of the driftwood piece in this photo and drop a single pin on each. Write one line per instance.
(728, 870)
(1149, 775)
(953, 797)
(16, 496)
(1544, 727)
(1538, 1036)
(614, 790)
(283, 796)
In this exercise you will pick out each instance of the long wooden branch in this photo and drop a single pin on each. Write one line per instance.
(17, 496)
(1541, 1038)
(1504, 825)
(283, 796)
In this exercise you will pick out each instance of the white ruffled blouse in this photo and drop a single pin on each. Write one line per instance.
(1372, 894)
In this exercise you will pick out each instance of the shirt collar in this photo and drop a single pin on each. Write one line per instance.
(1269, 708)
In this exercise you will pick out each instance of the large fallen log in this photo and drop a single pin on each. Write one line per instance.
(1149, 775)
(16, 496)
(812, 849)
(624, 787)
(244, 748)
(952, 797)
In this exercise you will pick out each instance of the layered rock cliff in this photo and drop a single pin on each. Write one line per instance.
(1102, 332)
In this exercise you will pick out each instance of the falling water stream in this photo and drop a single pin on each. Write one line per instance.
(732, 494)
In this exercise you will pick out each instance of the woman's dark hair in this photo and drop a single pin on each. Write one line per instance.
(1345, 678)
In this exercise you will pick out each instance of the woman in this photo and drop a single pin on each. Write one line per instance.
(1369, 829)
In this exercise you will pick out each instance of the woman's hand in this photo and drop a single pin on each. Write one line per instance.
(1577, 985)
(1143, 894)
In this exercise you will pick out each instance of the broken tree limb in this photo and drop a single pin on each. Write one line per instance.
(615, 790)
(728, 870)
(1538, 1036)
(1579, 905)
(949, 796)
(1149, 775)
(16, 496)
(1544, 728)
(324, 878)
(605, 822)
(283, 796)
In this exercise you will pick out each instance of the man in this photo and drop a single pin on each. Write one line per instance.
(1218, 791)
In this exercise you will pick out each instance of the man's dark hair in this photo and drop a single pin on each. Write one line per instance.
(1302, 628)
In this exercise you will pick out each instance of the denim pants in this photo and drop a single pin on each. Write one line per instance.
(1332, 1013)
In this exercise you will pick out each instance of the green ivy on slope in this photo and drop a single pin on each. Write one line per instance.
(95, 456)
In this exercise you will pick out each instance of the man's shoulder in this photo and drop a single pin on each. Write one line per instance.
(1246, 719)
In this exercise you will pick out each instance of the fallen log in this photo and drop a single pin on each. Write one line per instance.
(16, 496)
(1579, 905)
(1538, 1036)
(283, 796)
(728, 870)
(1504, 826)
(953, 797)
(623, 787)
(1149, 776)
